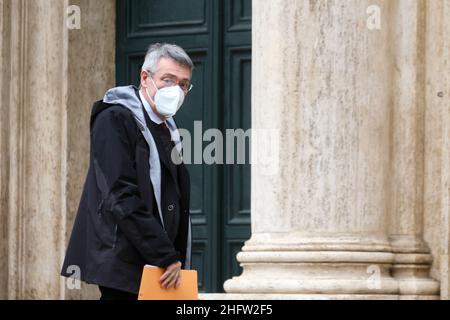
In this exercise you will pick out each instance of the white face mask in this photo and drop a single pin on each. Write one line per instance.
(168, 100)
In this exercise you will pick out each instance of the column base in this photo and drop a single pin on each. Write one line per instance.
(411, 267)
(325, 275)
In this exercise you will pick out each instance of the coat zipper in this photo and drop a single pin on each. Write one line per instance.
(115, 236)
(99, 209)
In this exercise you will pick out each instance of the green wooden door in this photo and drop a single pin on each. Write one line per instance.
(217, 36)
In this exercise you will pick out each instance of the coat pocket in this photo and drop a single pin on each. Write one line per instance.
(126, 251)
(105, 227)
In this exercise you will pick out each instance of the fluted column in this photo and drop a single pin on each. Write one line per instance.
(412, 259)
(50, 76)
(34, 88)
(326, 81)
(3, 160)
(437, 141)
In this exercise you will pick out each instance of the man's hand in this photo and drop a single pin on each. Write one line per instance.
(172, 276)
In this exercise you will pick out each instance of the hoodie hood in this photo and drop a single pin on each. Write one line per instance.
(126, 97)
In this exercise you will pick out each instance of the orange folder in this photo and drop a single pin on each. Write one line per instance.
(151, 289)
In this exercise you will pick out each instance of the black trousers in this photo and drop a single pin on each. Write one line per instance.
(113, 294)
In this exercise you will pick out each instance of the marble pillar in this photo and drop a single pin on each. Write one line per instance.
(437, 141)
(34, 88)
(412, 258)
(50, 76)
(343, 218)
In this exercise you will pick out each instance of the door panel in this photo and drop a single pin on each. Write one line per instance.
(237, 115)
(217, 36)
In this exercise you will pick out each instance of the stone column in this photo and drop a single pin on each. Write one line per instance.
(328, 81)
(34, 88)
(444, 266)
(3, 161)
(412, 258)
(444, 192)
(437, 141)
(437, 135)
(49, 78)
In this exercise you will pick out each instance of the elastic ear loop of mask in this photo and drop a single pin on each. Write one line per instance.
(146, 90)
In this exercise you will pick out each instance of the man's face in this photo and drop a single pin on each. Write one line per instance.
(169, 72)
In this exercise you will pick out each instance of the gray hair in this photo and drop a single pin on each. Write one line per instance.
(164, 50)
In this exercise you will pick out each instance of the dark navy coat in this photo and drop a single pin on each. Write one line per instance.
(118, 227)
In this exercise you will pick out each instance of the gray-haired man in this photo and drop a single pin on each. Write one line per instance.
(134, 209)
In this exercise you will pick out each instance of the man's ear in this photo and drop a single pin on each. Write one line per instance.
(144, 76)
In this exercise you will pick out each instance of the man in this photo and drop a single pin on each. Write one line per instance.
(134, 209)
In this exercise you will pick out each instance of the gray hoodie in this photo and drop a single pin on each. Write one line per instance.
(126, 97)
